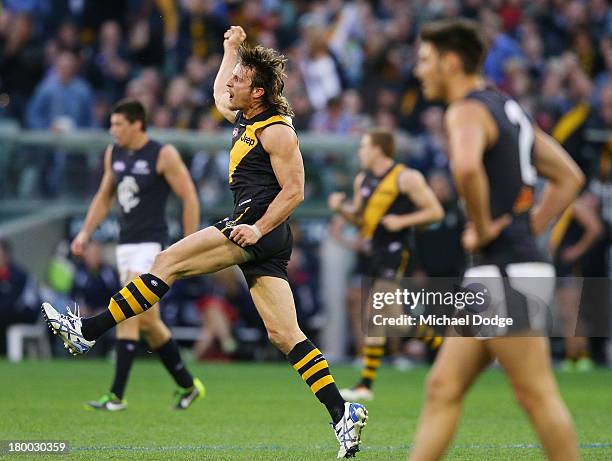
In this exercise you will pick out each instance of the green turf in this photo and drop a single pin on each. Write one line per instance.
(264, 412)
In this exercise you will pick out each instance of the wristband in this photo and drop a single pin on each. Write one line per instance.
(257, 231)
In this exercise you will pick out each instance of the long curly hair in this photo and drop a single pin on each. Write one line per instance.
(268, 66)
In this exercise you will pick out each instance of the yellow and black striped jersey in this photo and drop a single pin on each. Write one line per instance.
(382, 196)
(251, 177)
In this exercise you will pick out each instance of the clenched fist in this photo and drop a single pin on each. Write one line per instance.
(234, 36)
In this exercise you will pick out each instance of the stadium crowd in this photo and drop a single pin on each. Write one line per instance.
(64, 63)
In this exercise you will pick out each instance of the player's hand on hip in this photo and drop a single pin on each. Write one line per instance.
(392, 222)
(79, 243)
(245, 235)
(234, 36)
(473, 241)
(335, 200)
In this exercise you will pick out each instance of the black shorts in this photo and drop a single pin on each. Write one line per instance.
(391, 262)
(270, 255)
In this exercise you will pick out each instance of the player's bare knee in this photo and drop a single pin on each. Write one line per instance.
(441, 389)
(276, 338)
(146, 324)
(282, 340)
(164, 266)
(530, 397)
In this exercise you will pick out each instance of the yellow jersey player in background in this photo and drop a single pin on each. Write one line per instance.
(389, 200)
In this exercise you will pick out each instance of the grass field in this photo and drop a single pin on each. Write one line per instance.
(265, 412)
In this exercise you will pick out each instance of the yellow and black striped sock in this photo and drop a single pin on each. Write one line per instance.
(429, 336)
(308, 361)
(372, 356)
(133, 299)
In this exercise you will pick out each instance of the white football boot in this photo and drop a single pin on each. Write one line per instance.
(68, 328)
(348, 429)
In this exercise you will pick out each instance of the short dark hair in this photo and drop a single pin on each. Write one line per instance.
(461, 36)
(268, 73)
(132, 110)
(384, 139)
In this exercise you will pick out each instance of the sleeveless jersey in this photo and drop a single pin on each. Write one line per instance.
(142, 194)
(251, 177)
(382, 196)
(512, 177)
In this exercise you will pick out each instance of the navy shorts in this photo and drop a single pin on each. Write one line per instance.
(270, 255)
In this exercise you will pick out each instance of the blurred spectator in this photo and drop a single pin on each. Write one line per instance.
(180, 102)
(94, 281)
(110, 69)
(62, 101)
(67, 38)
(334, 118)
(19, 297)
(303, 276)
(501, 46)
(227, 297)
(152, 32)
(20, 62)
(201, 25)
(432, 153)
(318, 66)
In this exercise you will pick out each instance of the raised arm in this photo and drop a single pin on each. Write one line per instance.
(99, 208)
(564, 180)
(175, 172)
(233, 38)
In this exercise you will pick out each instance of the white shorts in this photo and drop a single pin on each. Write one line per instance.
(135, 258)
(533, 280)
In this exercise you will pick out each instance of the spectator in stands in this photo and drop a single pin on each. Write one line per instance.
(432, 155)
(302, 271)
(180, 102)
(19, 296)
(109, 68)
(20, 62)
(201, 24)
(62, 101)
(318, 66)
(501, 46)
(94, 281)
(220, 308)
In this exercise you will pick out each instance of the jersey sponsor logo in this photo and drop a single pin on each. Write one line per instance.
(119, 166)
(141, 167)
(127, 193)
(248, 141)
